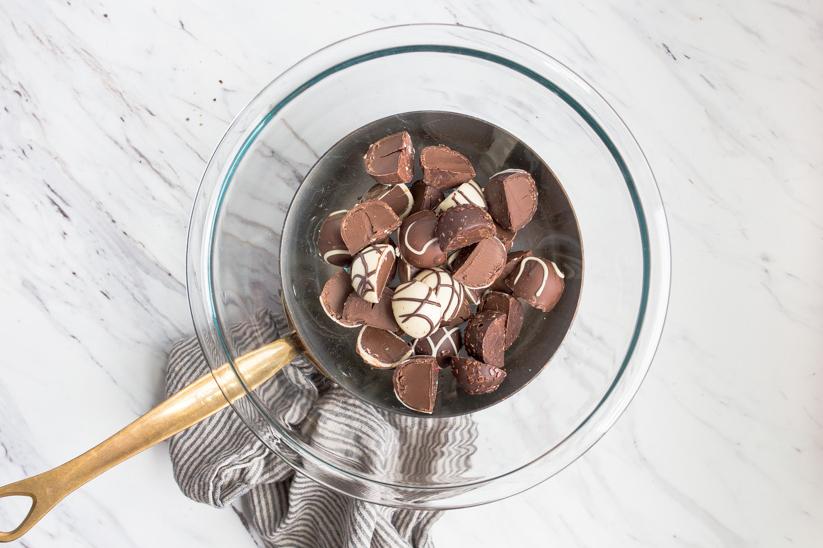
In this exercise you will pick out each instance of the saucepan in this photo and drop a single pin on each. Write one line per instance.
(294, 154)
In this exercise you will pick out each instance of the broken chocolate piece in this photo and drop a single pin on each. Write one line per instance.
(335, 292)
(371, 270)
(477, 267)
(445, 168)
(505, 304)
(425, 196)
(485, 337)
(512, 260)
(416, 308)
(381, 349)
(419, 244)
(467, 193)
(442, 344)
(397, 197)
(389, 160)
(537, 281)
(367, 223)
(330, 243)
(474, 377)
(462, 226)
(357, 311)
(512, 198)
(415, 383)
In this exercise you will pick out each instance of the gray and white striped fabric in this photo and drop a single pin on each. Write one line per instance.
(220, 462)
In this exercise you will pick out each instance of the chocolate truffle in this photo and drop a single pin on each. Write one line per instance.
(419, 244)
(371, 270)
(512, 260)
(415, 383)
(505, 304)
(416, 308)
(444, 168)
(330, 243)
(396, 197)
(367, 223)
(485, 337)
(477, 267)
(474, 377)
(463, 312)
(405, 271)
(512, 198)
(358, 311)
(467, 193)
(462, 226)
(425, 196)
(335, 292)
(505, 236)
(389, 160)
(442, 344)
(537, 281)
(447, 291)
(381, 349)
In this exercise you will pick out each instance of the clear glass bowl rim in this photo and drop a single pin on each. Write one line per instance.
(641, 186)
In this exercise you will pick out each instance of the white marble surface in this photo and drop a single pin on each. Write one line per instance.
(109, 111)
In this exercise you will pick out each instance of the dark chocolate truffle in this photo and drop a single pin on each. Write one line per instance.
(441, 344)
(389, 160)
(474, 377)
(445, 168)
(419, 244)
(336, 291)
(425, 196)
(397, 197)
(462, 226)
(485, 337)
(511, 196)
(371, 270)
(537, 281)
(367, 223)
(381, 349)
(512, 260)
(477, 267)
(415, 383)
(508, 305)
(357, 311)
(330, 243)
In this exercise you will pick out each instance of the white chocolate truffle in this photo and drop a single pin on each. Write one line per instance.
(467, 193)
(447, 291)
(416, 309)
(371, 269)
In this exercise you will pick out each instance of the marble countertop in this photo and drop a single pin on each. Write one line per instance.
(109, 111)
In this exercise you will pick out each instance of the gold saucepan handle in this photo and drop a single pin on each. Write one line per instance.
(192, 404)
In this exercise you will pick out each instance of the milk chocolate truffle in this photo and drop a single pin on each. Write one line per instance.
(467, 193)
(442, 344)
(389, 160)
(504, 303)
(462, 226)
(419, 244)
(425, 196)
(330, 243)
(416, 308)
(477, 267)
(357, 311)
(405, 271)
(447, 291)
(415, 383)
(445, 168)
(335, 292)
(505, 236)
(463, 312)
(485, 337)
(381, 349)
(474, 377)
(512, 260)
(396, 197)
(367, 223)
(537, 281)
(512, 198)
(371, 270)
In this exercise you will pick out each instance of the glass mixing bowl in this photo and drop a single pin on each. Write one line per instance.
(238, 257)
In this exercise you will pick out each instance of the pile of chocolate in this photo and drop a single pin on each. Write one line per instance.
(428, 269)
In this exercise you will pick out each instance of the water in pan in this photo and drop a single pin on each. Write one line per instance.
(336, 182)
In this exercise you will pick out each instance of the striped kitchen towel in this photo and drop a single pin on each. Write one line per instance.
(221, 462)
